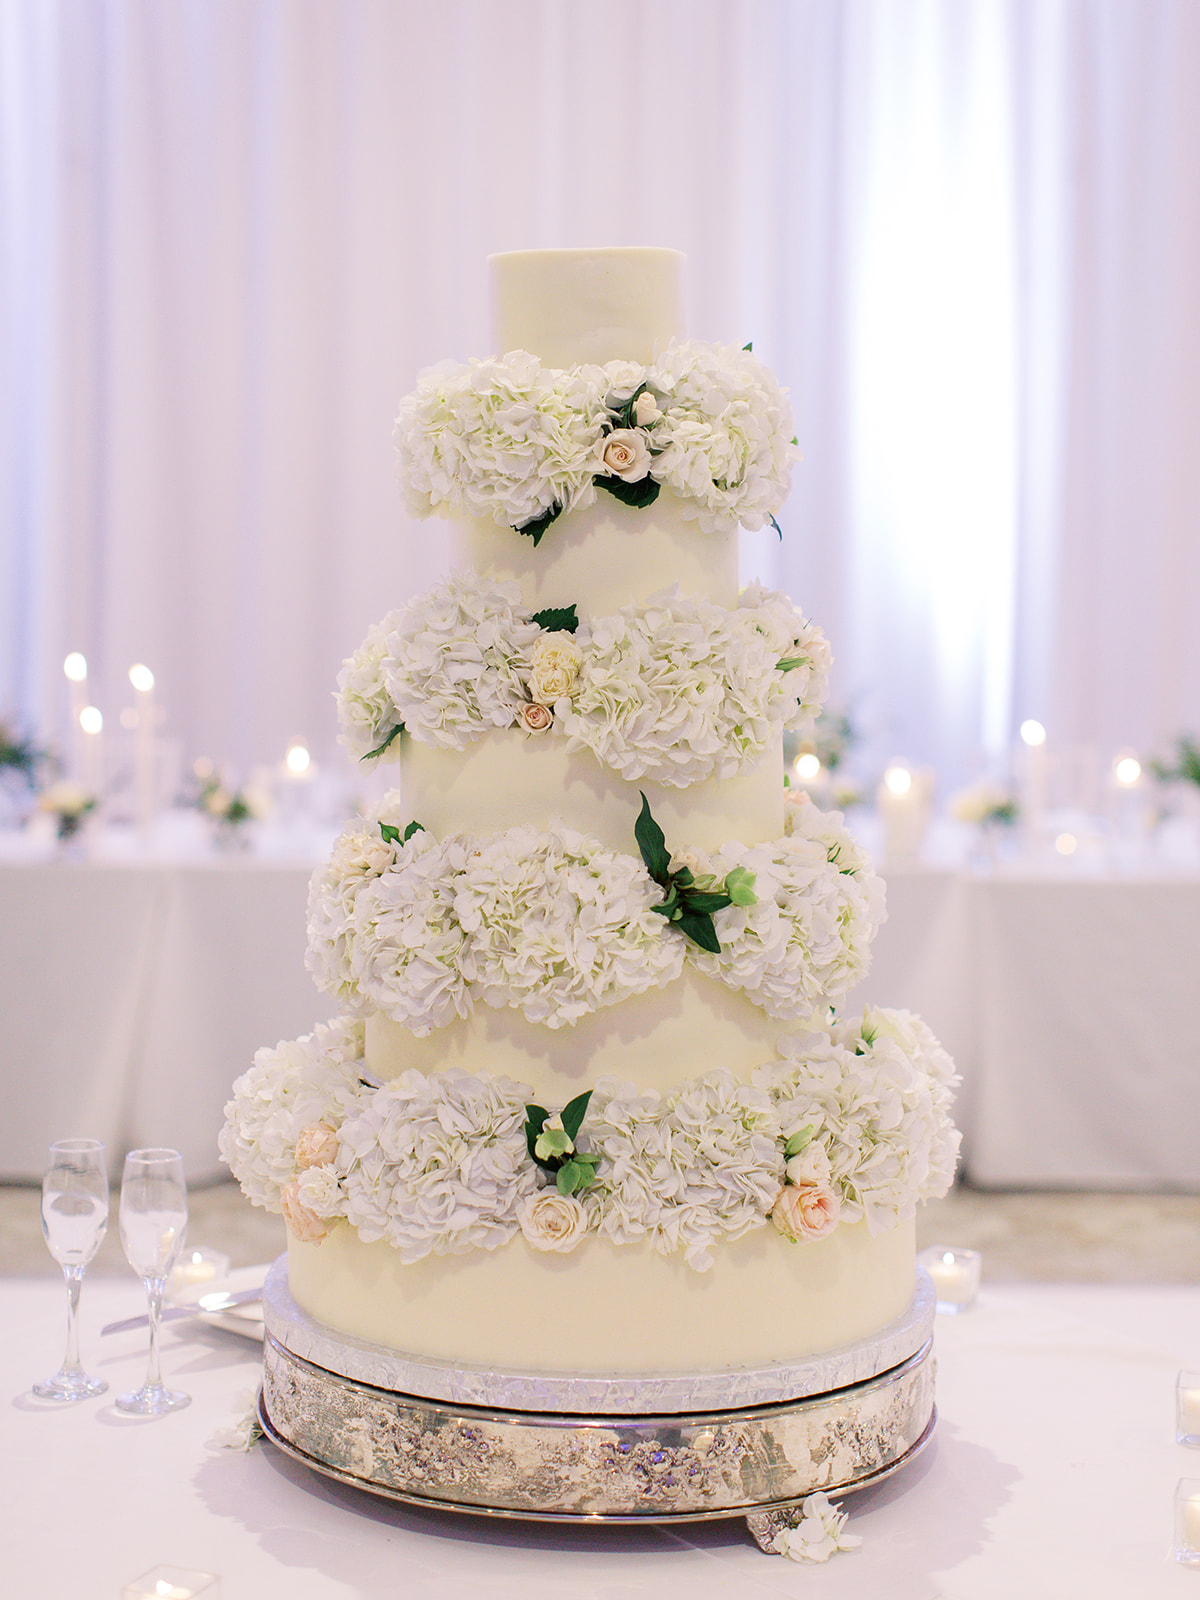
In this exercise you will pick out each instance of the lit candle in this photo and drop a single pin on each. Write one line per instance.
(1187, 1408)
(807, 766)
(1033, 737)
(1187, 1521)
(75, 667)
(198, 1266)
(955, 1276)
(174, 1583)
(1127, 771)
(91, 776)
(902, 800)
(142, 680)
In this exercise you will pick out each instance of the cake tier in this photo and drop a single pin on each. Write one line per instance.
(654, 1040)
(576, 306)
(605, 556)
(612, 1309)
(511, 778)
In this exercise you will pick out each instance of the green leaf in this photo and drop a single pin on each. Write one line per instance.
(535, 1118)
(552, 1145)
(777, 528)
(704, 902)
(698, 927)
(642, 493)
(537, 526)
(789, 662)
(413, 827)
(749, 345)
(380, 748)
(799, 1140)
(573, 1113)
(739, 886)
(557, 619)
(576, 1174)
(390, 834)
(653, 845)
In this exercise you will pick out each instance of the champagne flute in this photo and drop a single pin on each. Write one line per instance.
(74, 1221)
(153, 1217)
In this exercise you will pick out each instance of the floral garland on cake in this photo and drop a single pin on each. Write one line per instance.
(509, 439)
(555, 925)
(673, 689)
(850, 1123)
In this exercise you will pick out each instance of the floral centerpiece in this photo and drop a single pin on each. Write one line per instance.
(230, 809)
(69, 804)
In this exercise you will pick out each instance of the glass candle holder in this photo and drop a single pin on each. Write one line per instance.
(955, 1274)
(197, 1269)
(1187, 1521)
(174, 1583)
(1187, 1409)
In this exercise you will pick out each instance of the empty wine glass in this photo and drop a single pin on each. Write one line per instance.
(153, 1216)
(74, 1221)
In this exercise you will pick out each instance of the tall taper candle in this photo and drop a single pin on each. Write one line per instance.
(142, 680)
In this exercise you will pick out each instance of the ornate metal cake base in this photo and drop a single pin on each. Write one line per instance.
(571, 1467)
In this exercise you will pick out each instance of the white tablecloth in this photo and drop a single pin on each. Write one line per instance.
(132, 996)
(1051, 1474)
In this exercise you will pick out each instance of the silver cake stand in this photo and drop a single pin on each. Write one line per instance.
(637, 1449)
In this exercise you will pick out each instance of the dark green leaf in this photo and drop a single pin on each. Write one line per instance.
(390, 834)
(652, 844)
(557, 619)
(570, 1177)
(413, 827)
(749, 346)
(698, 926)
(777, 528)
(537, 526)
(705, 902)
(573, 1113)
(380, 748)
(535, 1120)
(642, 493)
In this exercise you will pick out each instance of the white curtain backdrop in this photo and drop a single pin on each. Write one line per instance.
(966, 233)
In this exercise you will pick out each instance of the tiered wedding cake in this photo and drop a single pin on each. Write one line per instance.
(590, 1113)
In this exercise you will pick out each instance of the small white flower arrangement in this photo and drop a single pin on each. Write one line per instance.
(449, 1162)
(509, 439)
(985, 804)
(674, 689)
(69, 804)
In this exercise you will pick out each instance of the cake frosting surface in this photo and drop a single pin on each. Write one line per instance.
(590, 1107)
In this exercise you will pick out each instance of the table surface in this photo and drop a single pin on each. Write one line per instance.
(1051, 1474)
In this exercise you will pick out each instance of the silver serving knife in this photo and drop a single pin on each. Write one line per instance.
(217, 1300)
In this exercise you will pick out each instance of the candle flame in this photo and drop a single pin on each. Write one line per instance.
(898, 779)
(91, 719)
(141, 678)
(807, 765)
(1032, 732)
(1127, 770)
(75, 667)
(297, 758)
(1066, 844)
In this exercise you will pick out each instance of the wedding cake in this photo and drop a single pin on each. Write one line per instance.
(592, 1110)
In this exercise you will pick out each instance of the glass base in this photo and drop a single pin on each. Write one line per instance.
(152, 1401)
(67, 1385)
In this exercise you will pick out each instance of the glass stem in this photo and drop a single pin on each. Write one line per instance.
(154, 1295)
(74, 1277)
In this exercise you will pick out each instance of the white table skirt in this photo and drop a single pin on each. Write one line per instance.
(133, 995)
(1051, 1474)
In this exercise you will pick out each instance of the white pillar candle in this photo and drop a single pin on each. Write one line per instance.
(903, 800)
(1033, 775)
(1187, 1408)
(142, 680)
(1187, 1521)
(954, 1274)
(75, 667)
(91, 775)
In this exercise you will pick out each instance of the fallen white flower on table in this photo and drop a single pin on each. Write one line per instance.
(817, 1534)
(243, 1430)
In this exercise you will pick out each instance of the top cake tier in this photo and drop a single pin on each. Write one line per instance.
(569, 307)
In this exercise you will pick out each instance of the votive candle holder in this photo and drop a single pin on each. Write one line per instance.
(1187, 1521)
(174, 1583)
(955, 1274)
(1187, 1409)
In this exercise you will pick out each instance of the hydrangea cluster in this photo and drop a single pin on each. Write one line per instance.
(674, 689)
(684, 1168)
(807, 938)
(439, 1164)
(510, 439)
(555, 925)
(875, 1090)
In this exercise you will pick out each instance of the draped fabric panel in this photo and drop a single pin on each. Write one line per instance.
(966, 234)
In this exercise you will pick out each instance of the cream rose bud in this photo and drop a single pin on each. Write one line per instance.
(805, 1211)
(552, 1221)
(536, 718)
(810, 1166)
(556, 662)
(316, 1146)
(645, 409)
(625, 453)
(303, 1224)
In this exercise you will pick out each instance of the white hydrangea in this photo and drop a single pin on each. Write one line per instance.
(360, 856)
(807, 938)
(405, 947)
(290, 1088)
(685, 1168)
(803, 689)
(458, 660)
(438, 1164)
(504, 438)
(366, 707)
(676, 689)
(875, 1091)
(724, 441)
(557, 926)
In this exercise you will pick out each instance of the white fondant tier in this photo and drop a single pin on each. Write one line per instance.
(655, 1040)
(605, 556)
(570, 307)
(612, 1309)
(511, 778)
